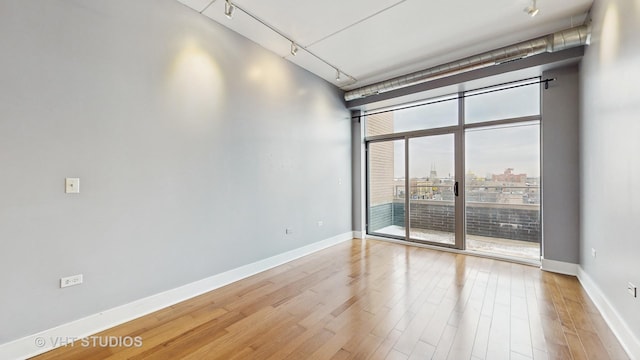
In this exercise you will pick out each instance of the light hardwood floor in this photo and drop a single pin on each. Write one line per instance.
(375, 300)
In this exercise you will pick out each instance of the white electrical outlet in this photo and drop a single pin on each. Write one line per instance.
(288, 231)
(593, 252)
(71, 281)
(320, 223)
(632, 290)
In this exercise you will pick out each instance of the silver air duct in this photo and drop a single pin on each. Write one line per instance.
(561, 40)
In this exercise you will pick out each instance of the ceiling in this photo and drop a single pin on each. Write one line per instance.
(375, 40)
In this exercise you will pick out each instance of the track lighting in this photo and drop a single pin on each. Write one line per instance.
(532, 10)
(228, 9)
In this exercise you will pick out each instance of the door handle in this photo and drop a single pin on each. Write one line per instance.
(455, 189)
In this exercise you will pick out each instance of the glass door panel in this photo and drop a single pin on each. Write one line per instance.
(386, 190)
(502, 184)
(432, 215)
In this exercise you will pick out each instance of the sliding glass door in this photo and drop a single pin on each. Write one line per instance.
(432, 189)
(461, 171)
(413, 189)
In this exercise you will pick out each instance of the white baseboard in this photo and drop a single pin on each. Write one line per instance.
(559, 267)
(26, 347)
(357, 235)
(629, 341)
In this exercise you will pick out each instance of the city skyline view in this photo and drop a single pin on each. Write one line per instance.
(488, 151)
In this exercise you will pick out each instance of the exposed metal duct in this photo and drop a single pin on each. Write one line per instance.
(561, 40)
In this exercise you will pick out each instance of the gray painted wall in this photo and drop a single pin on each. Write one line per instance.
(610, 150)
(560, 164)
(196, 148)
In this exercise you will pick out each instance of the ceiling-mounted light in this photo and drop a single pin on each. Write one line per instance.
(532, 10)
(228, 9)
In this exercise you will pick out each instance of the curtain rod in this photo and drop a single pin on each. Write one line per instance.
(457, 96)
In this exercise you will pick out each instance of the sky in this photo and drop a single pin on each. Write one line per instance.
(489, 150)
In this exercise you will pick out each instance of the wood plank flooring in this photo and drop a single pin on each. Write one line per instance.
(375, 300)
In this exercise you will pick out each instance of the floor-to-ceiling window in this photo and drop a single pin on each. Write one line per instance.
(386, 188)
(461, 171)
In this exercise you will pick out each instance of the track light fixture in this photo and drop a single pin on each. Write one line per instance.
(532, 10)
(228, 9)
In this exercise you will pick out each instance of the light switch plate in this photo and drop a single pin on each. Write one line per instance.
(72, 185)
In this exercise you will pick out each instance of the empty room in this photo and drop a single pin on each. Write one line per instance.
(381, 179)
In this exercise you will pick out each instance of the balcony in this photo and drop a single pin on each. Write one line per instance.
(503, 221)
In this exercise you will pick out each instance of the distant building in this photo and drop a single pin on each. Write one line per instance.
(382, 187)
(433, 175)
(509, 176)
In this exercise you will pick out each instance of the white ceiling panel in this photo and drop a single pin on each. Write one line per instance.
(250, 28)
(197, 5)
(415, 35)
(310, 21)
(374, 40)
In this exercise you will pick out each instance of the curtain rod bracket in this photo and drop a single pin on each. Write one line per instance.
(546, 82)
